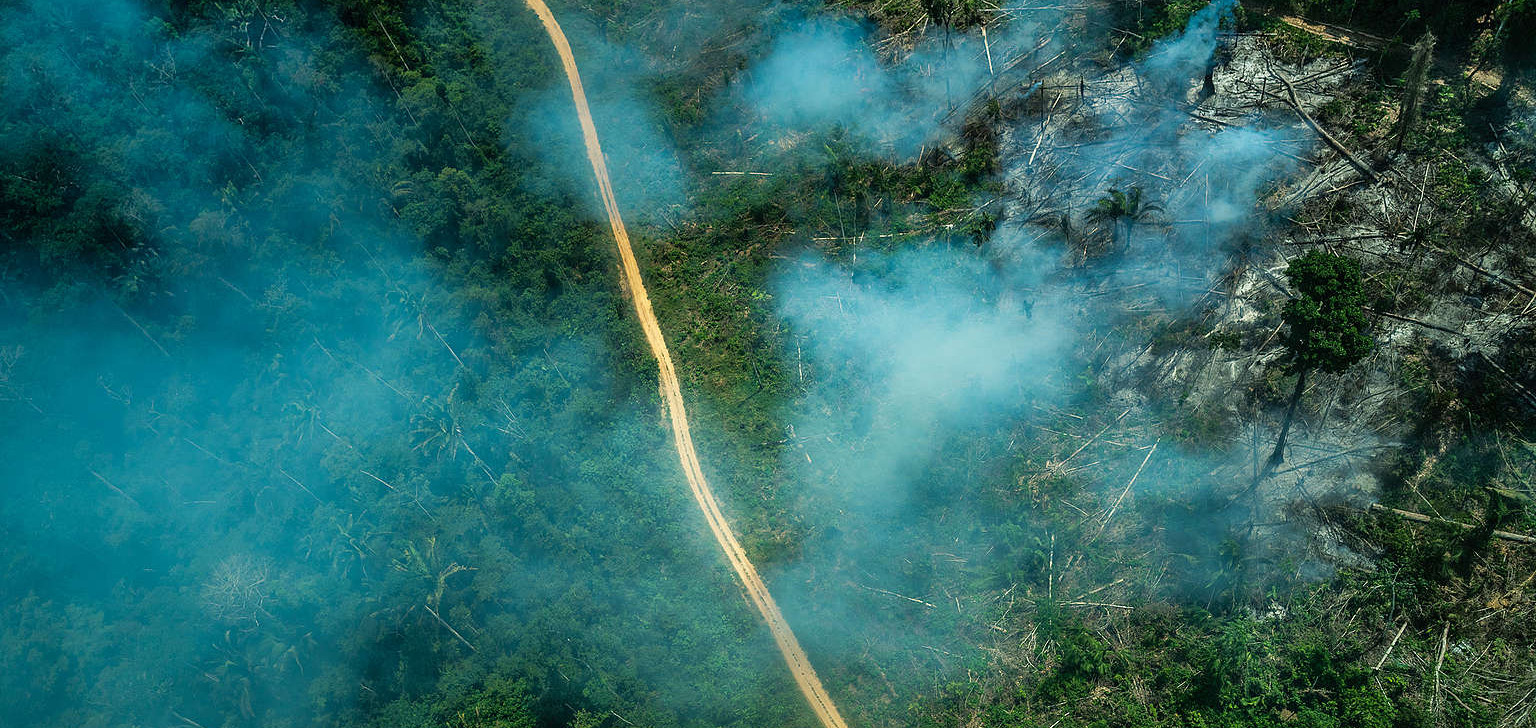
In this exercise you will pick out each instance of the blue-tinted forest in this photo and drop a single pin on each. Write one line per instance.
(322, 403)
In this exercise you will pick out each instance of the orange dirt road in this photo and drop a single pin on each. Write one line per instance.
(757, 591)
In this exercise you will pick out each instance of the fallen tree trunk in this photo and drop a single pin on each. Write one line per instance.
(1529, 396)
(1295, 104)
(1414, 321)
(1484, 271)
(1421, 518)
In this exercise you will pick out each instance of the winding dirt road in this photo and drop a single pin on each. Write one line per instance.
(757, 591)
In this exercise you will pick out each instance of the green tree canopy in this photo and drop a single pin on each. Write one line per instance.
(1329, 330)
(1122, 210)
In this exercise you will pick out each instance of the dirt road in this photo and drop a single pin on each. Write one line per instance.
(799, 665)
(1337, 33)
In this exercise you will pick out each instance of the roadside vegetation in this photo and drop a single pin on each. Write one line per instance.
(324, 405)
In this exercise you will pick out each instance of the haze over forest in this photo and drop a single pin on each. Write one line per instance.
(1162, 364)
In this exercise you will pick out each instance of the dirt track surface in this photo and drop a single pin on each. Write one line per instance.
(757, 591)
(1337, 33)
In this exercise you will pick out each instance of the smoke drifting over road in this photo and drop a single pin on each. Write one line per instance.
(263, 466)
(266, 467)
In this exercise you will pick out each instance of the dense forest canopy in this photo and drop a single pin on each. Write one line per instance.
(323, 403)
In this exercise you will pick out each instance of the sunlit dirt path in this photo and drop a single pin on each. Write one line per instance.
(799, 665)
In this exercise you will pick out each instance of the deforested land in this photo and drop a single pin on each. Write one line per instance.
(672, 364)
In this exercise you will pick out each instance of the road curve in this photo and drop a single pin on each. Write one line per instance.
(757, 591)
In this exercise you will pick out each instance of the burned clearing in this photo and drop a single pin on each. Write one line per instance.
(1159, 364)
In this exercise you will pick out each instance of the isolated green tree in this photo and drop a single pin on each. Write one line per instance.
(1122, 210)
(1328, 328)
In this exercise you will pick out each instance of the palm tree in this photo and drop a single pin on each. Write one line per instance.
(1122, 210)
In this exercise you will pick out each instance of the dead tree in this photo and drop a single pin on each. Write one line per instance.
(1413, 88)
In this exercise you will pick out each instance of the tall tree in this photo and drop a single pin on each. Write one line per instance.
(1328, 328)
(1414, 87)
(947, 14)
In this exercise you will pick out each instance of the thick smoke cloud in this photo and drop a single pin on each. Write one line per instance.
(942, 335)
(931, 368)
(645, 169)
(238, 497)
(822, 74)
(904, 349)
(186, 500)
(1174, 61)
(1207, 183)
(260, 460)
(825, 73)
